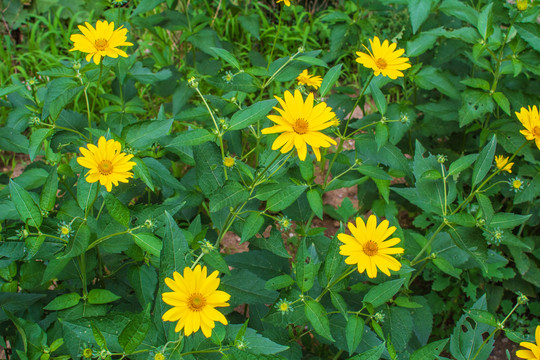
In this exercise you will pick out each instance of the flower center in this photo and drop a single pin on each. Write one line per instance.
(536, 131)
(105, 167)
(370, 248)
(517, 184)
(300, 126)
(196, 302)
(65, 230)
(284, 307)
(101, 44)
(381, 63)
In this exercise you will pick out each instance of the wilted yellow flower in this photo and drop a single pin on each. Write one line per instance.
(229, 161)
(531, 121)
(502, 163)
(309, 80)
(384, 59)
(101, 41)
(533, 352)
(194, 299)
(366, 246)
(287, 2)
(300, 123)
(106, 163)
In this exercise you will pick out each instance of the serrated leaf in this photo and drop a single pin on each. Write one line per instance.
(529, 32)
(330, 79)
(36, 140)
(483, 316)
(250, 115)
(141, 171)
(279, 282)
(227, 56)
(116, 209)
(461, 164)
(28, 211)
(381, 293)
(135, 331)
(230, 195)
(311, 60)
(378, 97)
(316, 314)
(50, 188)
(484, 162)
(86, 192)
(98, 336)
(508, 220)
(429, 351)
(215, 260)
(315, 202)
(190, 138)
(149, 243)
(502, 101)
(253, 224)
(485, 205)
(419, 11)
(354, 332)
(446, 267)
(284, 198)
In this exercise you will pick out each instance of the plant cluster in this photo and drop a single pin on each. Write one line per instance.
(161, 131)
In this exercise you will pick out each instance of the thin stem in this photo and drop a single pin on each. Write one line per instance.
(357, 101)
(428, 244)
(444, 185)
(329, 286)
(97, 86)
(275, 38)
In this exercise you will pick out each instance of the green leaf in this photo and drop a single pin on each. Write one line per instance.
(101, 296)
(485, 20)
(316, 314)
(330, 79)
(208, 167)
(485, 205)
(227, 56)
(250, 23)
(258, 345)
(50, 188)
(508, 220)
(135, 331)
(484, 162)
(142, 135)
(468, 239)
(476, 83)
(250, 115)
(373, 172)
(315, 202)
(305, 272)
(145, 6)
(460, 10)
(461, 164)
(430, 78)
(28, 211)
(420, 44)
(143, 280)
(502, 101)
(371, 354)
(446, 267)
(284, 198)
(339, 303)
(334, 263)
(404, 302)
(306, 170)
(146, 76)
(482, 316)
(98, 336)
(86, 193)
(279, 282)
(36, 140)
(215, 260)
(530, 33)
(141, 171)
(429, 351)
(230, 195)
(117, 210)
(79, 244)
(246, 288)
(419, 11)
(33, 244)
(378, 97)
(190, 138)
(475, 105)
(65, 97)
(381, 134)
(63, 302)
(149, 243)
(311, 60)
(381, 293)
(253, 224)
(274, 244)
(354, 332)
(240, 82)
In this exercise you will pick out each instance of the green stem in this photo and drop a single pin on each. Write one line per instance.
(428, 244)
(328, 287)
(97, 86)
(275, 38)
(357, 101)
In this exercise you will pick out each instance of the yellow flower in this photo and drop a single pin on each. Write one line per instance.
(101, 41)
(194, 299)
(106, 163)
(522, 4)
(367, 248)
(533, 352)
(309, 80)
(531, 121)
(502, 163)
(383, 59)
(300, 123)
(229, 161)
(287, 2)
